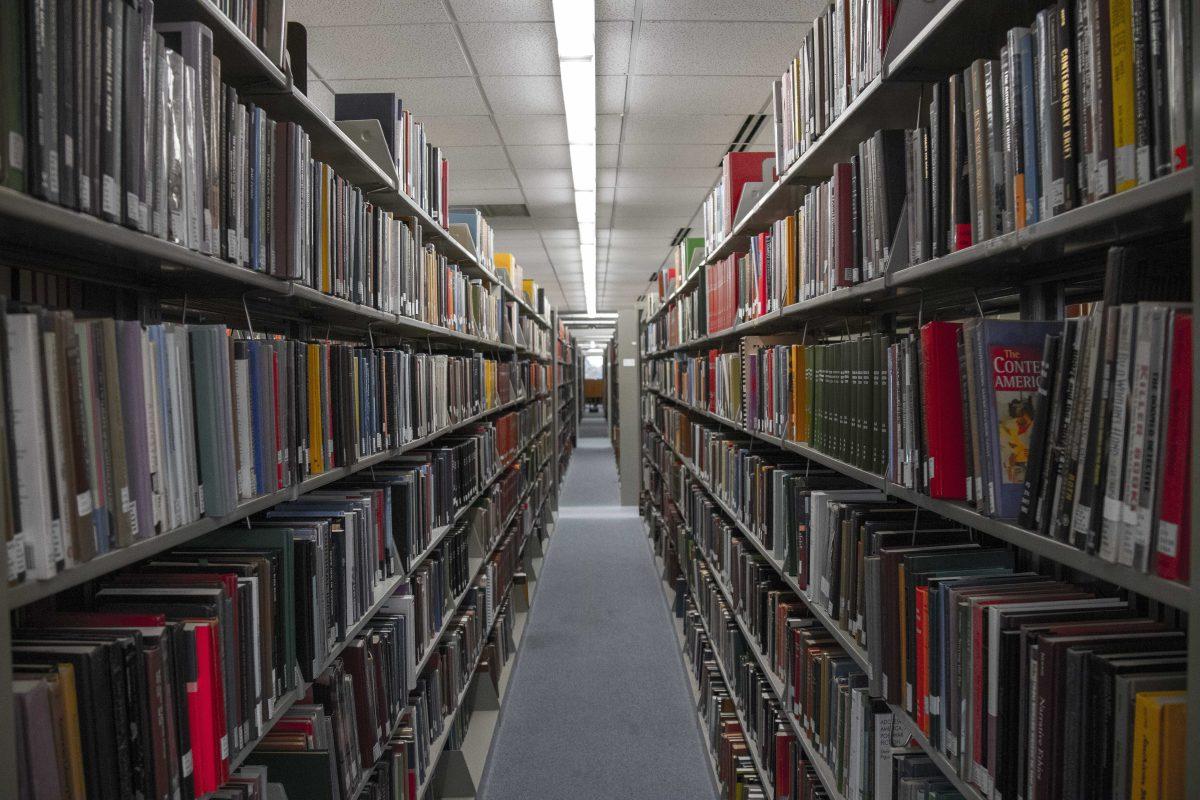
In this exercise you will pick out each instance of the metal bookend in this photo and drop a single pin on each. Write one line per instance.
(368, 135)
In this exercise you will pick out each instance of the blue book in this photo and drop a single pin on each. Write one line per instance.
(1024, 86)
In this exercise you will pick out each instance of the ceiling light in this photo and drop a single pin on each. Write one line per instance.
(575, 31)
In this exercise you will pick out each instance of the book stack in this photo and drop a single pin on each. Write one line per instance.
(472, 230)
(180, 420)
(840, 56)
(509, 271)
(1087, 101)
(724, 207)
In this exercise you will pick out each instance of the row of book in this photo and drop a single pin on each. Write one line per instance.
(207, 639)
(881, 571)
(839, 57)
(114, 432)
(1076, 429)
(422, 169)
(684, 322)
(193, 163)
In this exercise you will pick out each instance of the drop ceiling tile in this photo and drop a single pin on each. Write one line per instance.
(608, 128)
(558, 211)
(321, 96)
(610, 94)
(540, 156)
(503, 10)
(612, 47)
(685, 129)
(512, 48)
(714, 48)
(510, 226)
(673, 94)
(473, 131)
(523, 94)
(466, 196)
(386, 51)
(606, 156)
(474, 158)
(681, 176)
(614, 9)
(425, 97)
(533, 129)
(674, 215)
(557, 231)
(604, 196)
(464, 179)
(606, 178)
(604, 210)
(316, 13)
(758, 11)
(542, 178)
(666, 156)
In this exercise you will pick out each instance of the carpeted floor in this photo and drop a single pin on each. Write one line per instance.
(599, 705)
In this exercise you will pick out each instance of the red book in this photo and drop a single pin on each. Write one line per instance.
(738, 169)
(844, 271)
(942, 393)
(760, 269)
(921, 623)
(1174, 521)
(784, 764)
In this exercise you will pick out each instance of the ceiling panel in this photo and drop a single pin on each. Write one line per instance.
(606, 177)
(672, 94)
(685, 129)
(533, 128)
(467, 196)
(539, 178)
(610, 94)
(612, 47)
(608, 128)
(460, 131)
(544, 156)
(512, 48)
(426, 97)
(614, 9)
(757, 11)
(680, 176)
(386, 51)
(464, 179)
(524, 94)
(694, 156)
(606, 155)
(503, 10)
(313, 13)
(473, 158)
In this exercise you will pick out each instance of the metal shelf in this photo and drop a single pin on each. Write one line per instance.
(1171, 593)
(32, 591)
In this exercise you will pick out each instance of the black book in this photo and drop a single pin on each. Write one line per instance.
(112, 108)
(1038, 435)
(1043, 505)
(132, 128)
(65, 45)
(1160, 102)
(381, 106)
(42, 142)
(1100, 103)
(959, 201)
(1066, 103)
(939, 169)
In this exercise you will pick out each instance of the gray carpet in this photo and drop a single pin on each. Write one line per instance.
(599, 705)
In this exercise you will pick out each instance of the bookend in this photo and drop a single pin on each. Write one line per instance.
(368, 135)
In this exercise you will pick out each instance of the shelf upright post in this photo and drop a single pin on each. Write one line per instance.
(1193, 617)
(628, 373)
(8, 720)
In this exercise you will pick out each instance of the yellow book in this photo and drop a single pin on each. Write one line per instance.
(316, 434)
(1150, 732)
(799, 357)
(72, 739)
(325, 213)
(529, 287)
(1124, 107)
(789, 259)
(1174, 750)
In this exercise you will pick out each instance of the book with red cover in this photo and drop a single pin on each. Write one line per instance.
(784, 763)
(737, 170)
(942, 391)
(1174, 518)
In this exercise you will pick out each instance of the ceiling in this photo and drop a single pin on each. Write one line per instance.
(676, 80)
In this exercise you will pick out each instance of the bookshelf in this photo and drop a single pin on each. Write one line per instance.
(1034, 272)
(136, 275)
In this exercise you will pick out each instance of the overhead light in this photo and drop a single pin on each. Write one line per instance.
(575, 32)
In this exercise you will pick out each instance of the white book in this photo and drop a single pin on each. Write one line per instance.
(62, 507)
(29, 439)
(1110, 530)
(153, 428)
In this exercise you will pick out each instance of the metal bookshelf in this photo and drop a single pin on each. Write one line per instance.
(1029, 271)
(164, 277)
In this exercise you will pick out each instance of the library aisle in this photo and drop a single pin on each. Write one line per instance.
(599, 705)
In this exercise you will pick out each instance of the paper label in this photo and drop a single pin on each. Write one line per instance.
(185, 763)
(16, 150)
(271, 702)
(109, 203)
(52, 169)
(258, 717)
(1168, 538)
(68, 150)
(132, 202)
(85, 192)
(225, 746)
(1112, 509)
(16, 557)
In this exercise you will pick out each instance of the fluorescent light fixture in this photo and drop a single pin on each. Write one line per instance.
(575, 32)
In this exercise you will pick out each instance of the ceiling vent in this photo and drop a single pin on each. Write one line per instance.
(492, 210)
(680, 235)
